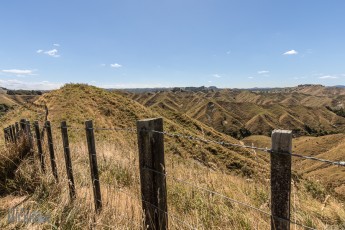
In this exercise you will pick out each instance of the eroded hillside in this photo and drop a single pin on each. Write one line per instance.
(240, 113)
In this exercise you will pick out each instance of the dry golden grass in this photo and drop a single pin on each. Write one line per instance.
(188, 205)
(236, 173)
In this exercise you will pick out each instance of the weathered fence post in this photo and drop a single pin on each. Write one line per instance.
(51, 150)
(5, 135)
(29, 134)
(93, 165)
(39, 146)
(14, 133)
(17, 129)
(23, 125)
(68, 161)
(11, 133)
(152, 173)
(281, 179)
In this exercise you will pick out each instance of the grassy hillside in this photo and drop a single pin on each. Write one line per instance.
(240, 113)
(234, 172)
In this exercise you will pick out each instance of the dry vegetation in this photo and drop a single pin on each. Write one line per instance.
(236, 173)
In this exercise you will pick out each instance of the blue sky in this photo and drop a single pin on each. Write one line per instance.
(152, 43)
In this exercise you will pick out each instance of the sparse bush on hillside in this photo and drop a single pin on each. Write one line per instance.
(315, 189)
(24, 92)
(338, 111)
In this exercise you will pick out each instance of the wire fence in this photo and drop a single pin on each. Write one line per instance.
(189, 183)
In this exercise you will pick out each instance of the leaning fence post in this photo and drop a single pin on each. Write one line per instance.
(152, 173)
(51, 150)
(93, 165)
(281, 179)
(39, 146)
(68, 161)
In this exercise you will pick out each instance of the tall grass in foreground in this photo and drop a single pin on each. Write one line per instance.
(188, 205)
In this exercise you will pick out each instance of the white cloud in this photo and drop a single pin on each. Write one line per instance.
(328, 77)
(18, 71)
(56, 44)
(210, 81)
(18, 84)
(290, 52)
(250, 77)
(263, 72)
(216, 76)
(52, 53)
(115, 65)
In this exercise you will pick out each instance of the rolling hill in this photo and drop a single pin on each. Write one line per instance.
(241, 112)
(235, 172)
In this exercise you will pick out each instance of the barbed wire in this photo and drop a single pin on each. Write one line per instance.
(226, 197)
(189, 137)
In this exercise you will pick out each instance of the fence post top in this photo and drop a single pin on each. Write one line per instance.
(89, 124)
(150, 119)
(281, 131)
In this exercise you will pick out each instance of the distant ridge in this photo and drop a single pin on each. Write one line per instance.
(338, 86)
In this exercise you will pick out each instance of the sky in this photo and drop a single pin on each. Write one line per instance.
(166, 43)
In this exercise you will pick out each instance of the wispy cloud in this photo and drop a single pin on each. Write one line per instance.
(263, 72)
(250, 77)
(52, 53)
(216, 76)
(18, 71)
(115, 65)
(56, 44)
(18, 84)
(290, 52)
(328, 77)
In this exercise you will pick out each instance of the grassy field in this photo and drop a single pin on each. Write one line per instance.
(190, 167)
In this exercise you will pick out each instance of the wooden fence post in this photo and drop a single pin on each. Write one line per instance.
(29, 135)
(23, 125)
(11, 133)
(93, 165)
(51, 150)
(68, 161)
(281, 179)
(6, 135)
(152, 173)
(14, 133)
(39, 146)
(17, 129)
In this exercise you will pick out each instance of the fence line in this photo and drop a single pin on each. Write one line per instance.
(151, 154)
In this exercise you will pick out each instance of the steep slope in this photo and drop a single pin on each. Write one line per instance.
(77, 103)
(236, 112)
